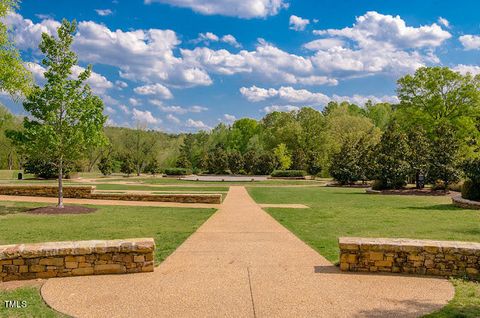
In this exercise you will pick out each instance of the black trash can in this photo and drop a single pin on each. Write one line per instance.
(20, 176)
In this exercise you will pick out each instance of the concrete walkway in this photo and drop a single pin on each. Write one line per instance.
(242, 263)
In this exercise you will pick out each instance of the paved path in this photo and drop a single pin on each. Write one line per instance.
(242, 263)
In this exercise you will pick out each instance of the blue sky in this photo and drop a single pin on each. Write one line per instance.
(184, 65)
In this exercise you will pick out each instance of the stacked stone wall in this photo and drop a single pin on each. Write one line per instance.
(420, 257)
(76, 258)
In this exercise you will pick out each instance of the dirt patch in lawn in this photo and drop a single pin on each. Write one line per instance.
(68, 209)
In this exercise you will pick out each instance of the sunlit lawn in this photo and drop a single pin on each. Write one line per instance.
(336, 212)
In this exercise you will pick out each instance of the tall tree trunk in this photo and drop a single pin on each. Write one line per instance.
(60, 184)
(10, 161)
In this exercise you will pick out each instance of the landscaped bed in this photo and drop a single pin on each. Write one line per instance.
(336, 212)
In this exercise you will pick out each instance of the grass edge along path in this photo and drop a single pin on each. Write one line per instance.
(175, 225)
(327, 204)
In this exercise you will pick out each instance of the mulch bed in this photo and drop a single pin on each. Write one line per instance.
(338, 185)
(67, 209)
(426, 192)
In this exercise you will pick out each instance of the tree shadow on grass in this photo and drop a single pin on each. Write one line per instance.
(436, 207)
(6, 209)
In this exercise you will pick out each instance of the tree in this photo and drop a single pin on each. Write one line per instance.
(105, 165)
(15, 79)
(419, 146)
(217, 161)
(64, 115)
(127, 166)
(437, 95)
(153, 167)
(444, 160)
(250, 161)
(299, 159)
(235, 161)
(140, 146)
(282, 156)
(344, 167)
(392, 167)
(265, 164)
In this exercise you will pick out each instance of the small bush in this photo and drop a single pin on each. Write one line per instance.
(378, 185)
(456, 186)
(289, 173)
(471, 190)
(176, 171)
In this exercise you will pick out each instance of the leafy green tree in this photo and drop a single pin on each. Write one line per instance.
(314, 163)
(105, 165)
(345, 164)
(299, 159)
(9, 157)
(140, 146)
(265, 164)
(250, 159)
(64, 115)
(391, 158)
(437, 95)
(418, 160)
(242, 131)
(217, 161)
(15, 79)
(444, 162)
(282, 157)
(380, 114)
(153, 167)
(235, 161)
(127, 166)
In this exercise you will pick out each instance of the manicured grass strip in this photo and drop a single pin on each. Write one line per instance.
(339, 212)
(168, 226)
(465, 304)
(35, 307)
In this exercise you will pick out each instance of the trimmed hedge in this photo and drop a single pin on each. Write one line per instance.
(177, 171)
(289, 173)
(471, 190)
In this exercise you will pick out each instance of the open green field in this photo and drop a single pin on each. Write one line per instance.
(168, 226)
(336, 212)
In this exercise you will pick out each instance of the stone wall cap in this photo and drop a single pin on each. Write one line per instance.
(51, 249)
(406, 242)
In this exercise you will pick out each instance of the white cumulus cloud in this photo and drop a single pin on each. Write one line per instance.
(236, 8)
(198, 124)
(155, 89)
(103, 12)
(470, 42)
(144, 117)
(297, 23)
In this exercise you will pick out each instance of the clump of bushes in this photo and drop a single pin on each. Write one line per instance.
(289, 173)
(471, 186)
(177, 171)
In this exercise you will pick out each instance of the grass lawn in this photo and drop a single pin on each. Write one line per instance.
(108, 186)
(168, 226)
(36, 307)
(336, 212)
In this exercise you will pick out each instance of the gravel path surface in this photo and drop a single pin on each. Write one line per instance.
(242, 263)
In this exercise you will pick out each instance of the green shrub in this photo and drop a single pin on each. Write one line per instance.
(105, 166)
(471, 168)
(265, 164)
(378, 185)
(176, 171)
(289, 173)
(471, 190)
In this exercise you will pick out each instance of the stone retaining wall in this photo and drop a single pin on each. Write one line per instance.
(46, 191)
(178, 198)
(421, 257)
(88, 192)
(465, 203)
(76, 258)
